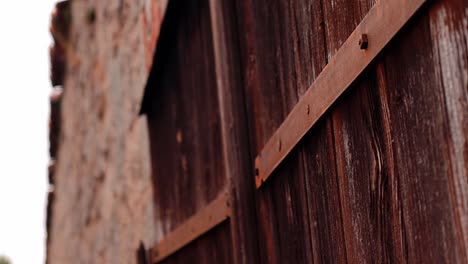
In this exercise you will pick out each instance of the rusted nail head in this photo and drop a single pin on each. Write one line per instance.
(363, 41)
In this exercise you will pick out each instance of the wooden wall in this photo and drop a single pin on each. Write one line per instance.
(184, 123)
(381, 177)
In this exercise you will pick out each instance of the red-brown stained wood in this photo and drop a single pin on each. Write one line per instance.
(286, 35)
(188, 157)
(367, 192)
(288, 207)
(381, 177)
(449, 38)
(225, 22)
(420, 136)
(380, 24)
(323, 204)
(183, 116)
(340, 20)
(364, 188)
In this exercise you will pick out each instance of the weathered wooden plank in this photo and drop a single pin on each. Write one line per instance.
(284, 227)
(371, 225)
(183, 116)
(183, 109)
(414, 101)
(323, 189)
(323, 204)
(371, 212)
(344, 194)
(234, 127)
(449, 35)
(287, 34)
(204, 220)
(382, 22)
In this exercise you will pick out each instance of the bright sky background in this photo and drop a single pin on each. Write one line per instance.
(24, 109)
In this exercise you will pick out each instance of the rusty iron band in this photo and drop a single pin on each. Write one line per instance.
(375, 31)
(203, 221)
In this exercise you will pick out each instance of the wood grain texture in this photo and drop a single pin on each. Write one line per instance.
(366, 191)
(382, 22)
(420, 138)
(323, 204)
(374, 216)
(449, 38)
(234, 128)
(380, 177)
(190, 184)
(286, 34)
(184, 116)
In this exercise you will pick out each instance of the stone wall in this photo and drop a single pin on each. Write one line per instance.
(101, 205)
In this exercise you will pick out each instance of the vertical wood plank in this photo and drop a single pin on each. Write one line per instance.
(183, 116)
(365, 190)
(318, 166)
(287, 35)
(421, 142)
(234, 129)
(449, 34)
(321, 181)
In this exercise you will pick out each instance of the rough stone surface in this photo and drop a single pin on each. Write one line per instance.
(102, 205)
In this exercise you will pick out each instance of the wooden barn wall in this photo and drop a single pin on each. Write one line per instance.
(184, 124)
(382, 176)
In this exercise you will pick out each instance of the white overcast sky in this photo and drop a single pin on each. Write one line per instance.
(24, 108)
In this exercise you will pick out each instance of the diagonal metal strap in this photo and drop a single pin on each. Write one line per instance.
(380, 25)
(203, 221)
